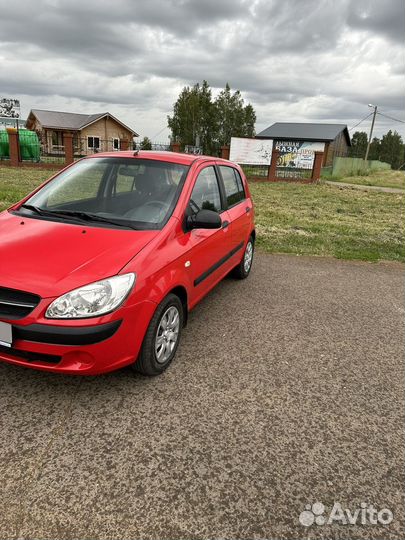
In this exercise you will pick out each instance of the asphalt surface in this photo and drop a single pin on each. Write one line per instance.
(288, 389)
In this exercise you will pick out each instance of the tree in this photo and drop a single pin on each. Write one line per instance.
(146, 144)
(392, 149)
(234, 119)
(375, 149)
(359, 144)
(250, 121)
(197, 120)
(194, 121)
(209, 122)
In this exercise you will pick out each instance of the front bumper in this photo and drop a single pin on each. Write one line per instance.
(81, 346)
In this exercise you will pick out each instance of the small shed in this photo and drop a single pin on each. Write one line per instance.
(335, 137)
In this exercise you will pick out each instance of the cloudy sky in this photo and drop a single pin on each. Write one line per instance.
(294, 60)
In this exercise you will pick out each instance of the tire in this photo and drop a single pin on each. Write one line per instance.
(243, 269)
(155, 357)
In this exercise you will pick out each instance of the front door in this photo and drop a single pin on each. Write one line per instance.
(239, 206)
(208, 256)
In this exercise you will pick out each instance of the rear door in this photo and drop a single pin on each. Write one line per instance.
(238, 204)
(208, 255)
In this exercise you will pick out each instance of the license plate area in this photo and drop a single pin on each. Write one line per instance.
(6, 334)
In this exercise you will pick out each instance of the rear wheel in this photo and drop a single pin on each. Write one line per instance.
(162, 337)
(243, 269)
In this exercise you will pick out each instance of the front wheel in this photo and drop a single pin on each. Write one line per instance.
(243, 269)
(162, 337)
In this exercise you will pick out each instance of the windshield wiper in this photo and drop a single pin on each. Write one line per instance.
(34, 209)
(82, 216)
(86, 216)
(43, 212)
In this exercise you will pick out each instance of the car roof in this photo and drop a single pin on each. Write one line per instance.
(172, 157)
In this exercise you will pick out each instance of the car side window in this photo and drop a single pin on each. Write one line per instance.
(126, 176)
(240, 184)
(205, 193)
(124, 184)
(234, 190)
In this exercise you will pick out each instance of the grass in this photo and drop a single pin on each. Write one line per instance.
(17, 182)
(324, 220)
(393, 179)
(314, 219)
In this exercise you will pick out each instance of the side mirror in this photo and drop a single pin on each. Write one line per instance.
(204, 219)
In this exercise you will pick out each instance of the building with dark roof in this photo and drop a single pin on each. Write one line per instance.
(335, 137)
(100, 132)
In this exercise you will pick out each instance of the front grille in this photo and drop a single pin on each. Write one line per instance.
(16, 304)
(30, 356)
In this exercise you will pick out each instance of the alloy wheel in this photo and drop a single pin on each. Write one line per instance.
(247, 260)
(167, 334)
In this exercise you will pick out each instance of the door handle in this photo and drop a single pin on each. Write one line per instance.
(248, 209)
(225, 224)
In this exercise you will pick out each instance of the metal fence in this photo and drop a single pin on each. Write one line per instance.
(289, 173)
(82, 147)
(51, 148)
(156, 146)
(256, 171)
(93, 145)
(88, 146)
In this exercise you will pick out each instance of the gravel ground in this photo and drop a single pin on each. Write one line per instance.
(288, 389)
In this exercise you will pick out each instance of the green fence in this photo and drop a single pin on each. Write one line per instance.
(344, 166)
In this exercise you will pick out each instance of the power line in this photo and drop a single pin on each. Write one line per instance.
(391, 117)
(383, 111)
(157, 134)
(362, 120)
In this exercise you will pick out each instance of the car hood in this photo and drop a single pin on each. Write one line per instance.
(50, 258)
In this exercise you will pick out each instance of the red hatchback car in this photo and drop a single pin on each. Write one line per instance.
(100, 266)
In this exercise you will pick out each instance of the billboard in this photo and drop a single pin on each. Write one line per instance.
(251, 151)
(297, 154)
(6, 122)
(9, 108)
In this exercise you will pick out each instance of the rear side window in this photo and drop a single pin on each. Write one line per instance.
(234, 190)
(205, 193)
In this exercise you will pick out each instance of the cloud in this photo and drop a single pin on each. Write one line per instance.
(386, 18)
(318, 60)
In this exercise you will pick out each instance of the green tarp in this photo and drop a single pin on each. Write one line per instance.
(29, 145)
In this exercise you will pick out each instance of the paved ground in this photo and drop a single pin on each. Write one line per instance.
(366, 188)
(288, 389)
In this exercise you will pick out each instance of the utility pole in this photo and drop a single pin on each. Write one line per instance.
(371, 130)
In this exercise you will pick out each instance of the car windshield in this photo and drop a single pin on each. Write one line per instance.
(127, 192)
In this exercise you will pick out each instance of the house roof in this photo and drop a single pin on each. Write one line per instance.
(304, 132)
(73, 121)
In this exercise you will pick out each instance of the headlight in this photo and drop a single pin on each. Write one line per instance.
(93, 299)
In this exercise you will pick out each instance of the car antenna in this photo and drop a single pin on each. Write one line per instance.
(136, 152)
